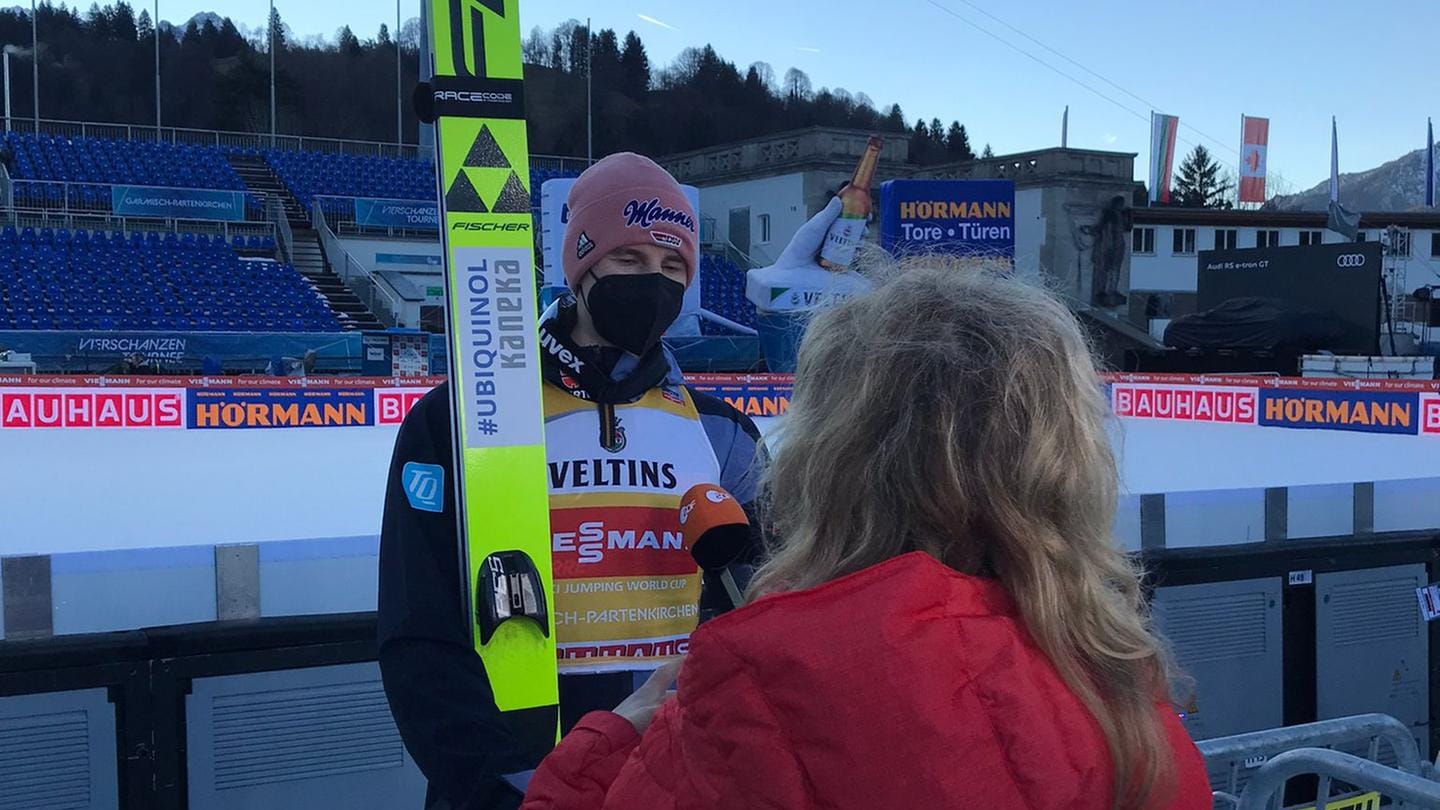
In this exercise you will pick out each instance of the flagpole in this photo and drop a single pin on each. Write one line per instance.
(399, 91)
(157, 70)
(1334, 162)
(1240, 170)
(1154, 181)
(1065, 129)
(35, 61)
(1429, 162)
(270, 24)
(589, 99)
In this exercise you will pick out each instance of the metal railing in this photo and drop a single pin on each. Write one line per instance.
(1403, 789)
(211, 137)
(1241, 759)
(275, 213)
(110, 222)
(373, 290)
(252, 140)
(340, 213)
(97, 198)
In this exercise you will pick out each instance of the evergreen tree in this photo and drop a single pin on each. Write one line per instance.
(99, 67)
(987, 152)
(605, 60)
(920, 143)
(957, 142)
(1199, 183)
(634, 67)
(347, 42)
(277, 30)
(895, 119)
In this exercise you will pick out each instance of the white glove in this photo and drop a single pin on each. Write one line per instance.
(796, 281)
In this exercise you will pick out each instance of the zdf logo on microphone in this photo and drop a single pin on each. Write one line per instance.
(1350, 260)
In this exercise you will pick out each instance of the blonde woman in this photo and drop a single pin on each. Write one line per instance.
(946, 621)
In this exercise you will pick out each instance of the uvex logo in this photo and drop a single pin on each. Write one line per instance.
(566, 357)
(1350, 260)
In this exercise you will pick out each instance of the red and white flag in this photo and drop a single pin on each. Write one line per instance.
(1255, 137)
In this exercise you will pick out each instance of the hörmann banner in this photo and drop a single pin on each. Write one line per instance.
(1343, 278)
(960, 217)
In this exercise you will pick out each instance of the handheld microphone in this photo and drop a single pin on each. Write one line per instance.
(717, 532)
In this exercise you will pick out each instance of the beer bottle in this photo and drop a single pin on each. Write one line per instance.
(843, 238)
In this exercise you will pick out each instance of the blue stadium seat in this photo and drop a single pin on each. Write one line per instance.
(149, 281)
(722, 291)
(97, 162)
(311, 174)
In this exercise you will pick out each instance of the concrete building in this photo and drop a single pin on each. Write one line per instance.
(755, 194)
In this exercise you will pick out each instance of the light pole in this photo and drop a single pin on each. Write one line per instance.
(589, 98)
(157, 70)
(270, 24)
(7, 88)
(35, 61)
(399, 104)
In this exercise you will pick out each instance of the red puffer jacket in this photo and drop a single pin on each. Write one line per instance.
(906, 685)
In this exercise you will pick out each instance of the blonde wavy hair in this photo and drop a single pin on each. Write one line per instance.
(958, 412)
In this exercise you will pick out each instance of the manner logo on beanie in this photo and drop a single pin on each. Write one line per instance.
(648, 213)
(626, 200)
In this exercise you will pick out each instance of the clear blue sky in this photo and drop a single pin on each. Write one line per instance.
(1295, 61)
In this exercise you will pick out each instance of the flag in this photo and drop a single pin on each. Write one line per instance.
(1065, 128)
(1162, 154)
(1255, 138)
(1429, 163)
(1334, 163)
(1340, 219)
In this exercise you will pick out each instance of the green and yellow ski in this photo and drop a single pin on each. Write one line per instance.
(483, 168)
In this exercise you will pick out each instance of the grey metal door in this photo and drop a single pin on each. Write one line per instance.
(1227, 637)
(297, 739)
(740, 229)
(1371, 647)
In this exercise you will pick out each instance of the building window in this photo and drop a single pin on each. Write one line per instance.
(764, 228)
(1312, 237)
(1360, 236)
(1142, 241)
(1398, 244)
(1226, 238)
(1435, 244)
(1265, 238)
(1184, 242)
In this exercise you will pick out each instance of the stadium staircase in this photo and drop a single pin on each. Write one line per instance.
(307, 255)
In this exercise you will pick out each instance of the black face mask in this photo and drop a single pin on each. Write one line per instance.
(633, 311)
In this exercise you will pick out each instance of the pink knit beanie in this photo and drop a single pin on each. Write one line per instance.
(627, 199)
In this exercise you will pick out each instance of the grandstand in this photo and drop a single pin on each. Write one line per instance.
(56, 279)
(311, 174)
(53, 172)
(722, 291)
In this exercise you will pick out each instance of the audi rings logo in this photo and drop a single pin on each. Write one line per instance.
(1350, 260)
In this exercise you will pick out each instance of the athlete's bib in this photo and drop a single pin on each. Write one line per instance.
(626, 589)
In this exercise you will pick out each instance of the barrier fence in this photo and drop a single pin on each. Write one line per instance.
(251, 140)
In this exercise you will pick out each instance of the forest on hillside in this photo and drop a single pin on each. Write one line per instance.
(99, 65)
